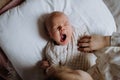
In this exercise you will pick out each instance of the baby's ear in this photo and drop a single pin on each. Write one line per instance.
(50, 35)
(45, 27)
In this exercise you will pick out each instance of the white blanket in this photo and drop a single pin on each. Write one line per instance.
(19, 36)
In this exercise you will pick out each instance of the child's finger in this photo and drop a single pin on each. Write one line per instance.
(46, 64)
(50, 70)
(43, 63)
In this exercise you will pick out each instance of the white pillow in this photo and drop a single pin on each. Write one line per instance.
(95, 14)
(20, 39)
(114, 6)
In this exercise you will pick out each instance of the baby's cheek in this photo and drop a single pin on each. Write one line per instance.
(56, 36)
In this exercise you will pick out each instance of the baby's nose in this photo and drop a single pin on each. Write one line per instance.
(60, 28)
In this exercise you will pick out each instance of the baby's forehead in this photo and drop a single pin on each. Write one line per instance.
(56, 15)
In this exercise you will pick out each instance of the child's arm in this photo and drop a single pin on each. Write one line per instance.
(92, 43)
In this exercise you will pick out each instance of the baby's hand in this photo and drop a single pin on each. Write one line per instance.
(44, 64)
(92, 43)
(50, 70)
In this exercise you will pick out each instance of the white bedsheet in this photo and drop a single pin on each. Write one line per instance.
(23, 45)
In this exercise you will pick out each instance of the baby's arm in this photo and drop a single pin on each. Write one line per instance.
(54, 61)
(51, 54)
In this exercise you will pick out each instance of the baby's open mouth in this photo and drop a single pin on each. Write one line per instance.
(63, 37)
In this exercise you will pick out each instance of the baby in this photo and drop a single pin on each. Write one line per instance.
(66, 54)
(62, 48)
(59, 28)
(65, 73)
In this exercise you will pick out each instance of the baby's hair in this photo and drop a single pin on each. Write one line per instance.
(50, 17)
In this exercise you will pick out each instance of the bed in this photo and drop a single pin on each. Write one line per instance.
(32, 14)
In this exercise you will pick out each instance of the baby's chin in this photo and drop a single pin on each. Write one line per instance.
(63, 42)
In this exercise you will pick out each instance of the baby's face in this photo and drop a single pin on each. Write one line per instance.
(60, 29)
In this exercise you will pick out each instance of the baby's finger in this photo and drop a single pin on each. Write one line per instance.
(46, 64)
(50, 70)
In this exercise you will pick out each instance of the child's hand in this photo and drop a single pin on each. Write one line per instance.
(44, 64)
(50, 70)
(92, 43)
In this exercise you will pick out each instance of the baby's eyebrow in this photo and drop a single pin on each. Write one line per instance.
(66, 21)
(54, 28)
